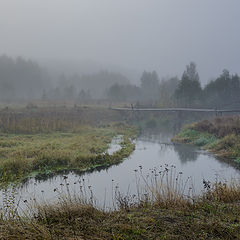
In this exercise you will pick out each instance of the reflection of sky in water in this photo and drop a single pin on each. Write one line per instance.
(151, 151)
(115, 145)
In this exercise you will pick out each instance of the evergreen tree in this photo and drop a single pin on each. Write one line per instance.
(150, 86)
(224, 91)
(188, 92)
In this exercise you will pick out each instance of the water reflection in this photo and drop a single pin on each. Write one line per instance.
(153, 151)
(186, 153)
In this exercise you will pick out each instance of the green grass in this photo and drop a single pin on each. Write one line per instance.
(44, 140)
(36, 154)
(191, 136)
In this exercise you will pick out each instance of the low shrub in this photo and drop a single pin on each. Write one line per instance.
(219, 127)
(220, 135)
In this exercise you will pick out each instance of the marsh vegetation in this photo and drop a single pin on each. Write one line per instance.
(219, 135)
(165, 203)
(41, 142)
(161, 210)
(91, 94)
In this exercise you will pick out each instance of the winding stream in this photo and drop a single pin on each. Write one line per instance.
(153, 150)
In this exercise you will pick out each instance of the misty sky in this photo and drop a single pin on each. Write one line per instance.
(137, 34)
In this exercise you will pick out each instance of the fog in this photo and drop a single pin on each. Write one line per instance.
(161, 35)
(81, 41)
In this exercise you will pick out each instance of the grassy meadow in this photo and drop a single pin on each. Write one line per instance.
(42, 141)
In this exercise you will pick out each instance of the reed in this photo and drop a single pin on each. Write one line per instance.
(160, 210)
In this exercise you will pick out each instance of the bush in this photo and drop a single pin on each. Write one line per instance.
(219, 127)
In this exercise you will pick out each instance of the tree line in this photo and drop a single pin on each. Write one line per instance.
(20, 78)
(85, 87)
(222, 92)
(25, 79)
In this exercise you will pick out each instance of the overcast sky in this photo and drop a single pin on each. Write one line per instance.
(138, 34)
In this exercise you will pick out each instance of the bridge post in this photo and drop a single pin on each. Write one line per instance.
(134, 113)
(179, 121)
(218, 113)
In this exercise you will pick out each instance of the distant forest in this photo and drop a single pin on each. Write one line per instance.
(22, 79)
(222, 92)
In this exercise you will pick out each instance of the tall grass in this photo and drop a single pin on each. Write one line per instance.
(45, 120)
(219, 127)
(219, 135)
(161, 206)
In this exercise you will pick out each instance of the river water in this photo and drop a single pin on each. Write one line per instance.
(154, 152)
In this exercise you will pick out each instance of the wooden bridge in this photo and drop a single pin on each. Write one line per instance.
(218, 112)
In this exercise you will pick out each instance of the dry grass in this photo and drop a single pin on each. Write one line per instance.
(52, 119)
(37, 140)
(219, 127)
(42, 140)
(222, 192)
(219, 135)
(21, 155)
(213, 215)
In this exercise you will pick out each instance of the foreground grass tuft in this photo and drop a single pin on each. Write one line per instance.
(213, 215)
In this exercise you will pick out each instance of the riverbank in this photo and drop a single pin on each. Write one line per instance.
(220, 136)
(41, 142)
(164, 205)
(24, 156)
(213, 215)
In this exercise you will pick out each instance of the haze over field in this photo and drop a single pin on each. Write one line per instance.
(161, 35)
(107, 111)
